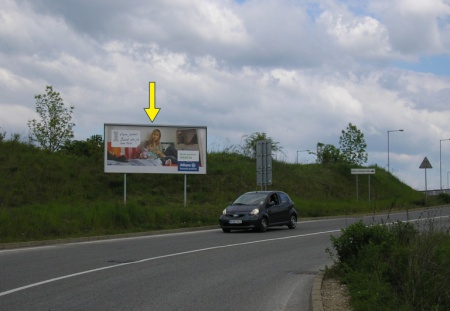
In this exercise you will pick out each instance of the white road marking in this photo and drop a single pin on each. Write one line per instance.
(155, 258)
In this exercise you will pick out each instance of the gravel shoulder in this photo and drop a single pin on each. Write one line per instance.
(334, 295)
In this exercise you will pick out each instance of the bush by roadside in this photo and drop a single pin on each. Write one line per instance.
(397, 267)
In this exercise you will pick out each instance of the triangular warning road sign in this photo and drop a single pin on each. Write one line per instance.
(425, 163)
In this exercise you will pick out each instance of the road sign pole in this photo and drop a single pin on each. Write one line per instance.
(424, 165)
(362, 171)
(264, 163)
(426, 189)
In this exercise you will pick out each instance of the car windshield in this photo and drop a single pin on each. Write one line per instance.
(250, 199)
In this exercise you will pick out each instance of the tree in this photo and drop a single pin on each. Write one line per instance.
(353, 145)
(55, 126)
(328, 154)
(91, 148)
(249, 148)
(2, 135)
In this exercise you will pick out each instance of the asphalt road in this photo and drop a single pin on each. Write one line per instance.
(201, 270)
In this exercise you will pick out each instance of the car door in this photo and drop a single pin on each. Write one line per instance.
(275, 210)
(284, 207)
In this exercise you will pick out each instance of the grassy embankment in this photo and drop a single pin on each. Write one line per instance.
(50, 196)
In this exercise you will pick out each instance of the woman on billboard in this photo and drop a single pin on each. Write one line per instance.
(151, 148)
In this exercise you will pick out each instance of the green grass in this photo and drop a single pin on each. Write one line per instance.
(54, 221)
(47, 195)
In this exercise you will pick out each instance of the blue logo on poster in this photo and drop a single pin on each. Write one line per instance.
(188, 166)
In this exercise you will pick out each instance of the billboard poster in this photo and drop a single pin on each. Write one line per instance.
(152, 148)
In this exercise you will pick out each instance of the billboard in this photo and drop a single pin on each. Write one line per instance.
(155, 149)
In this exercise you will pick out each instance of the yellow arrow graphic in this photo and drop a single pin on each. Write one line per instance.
(151, 111)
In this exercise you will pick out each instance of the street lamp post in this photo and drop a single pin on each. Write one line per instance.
(448, 187)
(440, 158)
(400, 130)
(302, 151)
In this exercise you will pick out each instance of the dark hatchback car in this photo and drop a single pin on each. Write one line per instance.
(259, 210)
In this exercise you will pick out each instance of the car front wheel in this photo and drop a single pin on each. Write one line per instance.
(292, 222)
(263, 225)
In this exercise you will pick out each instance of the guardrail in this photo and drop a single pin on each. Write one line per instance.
(436, 192)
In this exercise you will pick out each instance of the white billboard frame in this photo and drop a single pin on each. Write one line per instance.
(125, 152)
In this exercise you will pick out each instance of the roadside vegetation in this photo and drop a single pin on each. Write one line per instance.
(394, 267)
(53, 195)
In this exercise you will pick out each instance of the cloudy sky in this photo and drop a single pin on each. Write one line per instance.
(298, 70)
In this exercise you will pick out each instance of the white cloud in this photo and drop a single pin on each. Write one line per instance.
(415, 26)
(364, 36)
(15, 117)
(214, 22)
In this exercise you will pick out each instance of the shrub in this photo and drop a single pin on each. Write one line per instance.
(443, 198)
(394, 267)
(355, 237)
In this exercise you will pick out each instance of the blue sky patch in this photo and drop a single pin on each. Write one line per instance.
(439, 65)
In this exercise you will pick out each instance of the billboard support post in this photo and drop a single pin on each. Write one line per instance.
(185, 187)
(124, 189)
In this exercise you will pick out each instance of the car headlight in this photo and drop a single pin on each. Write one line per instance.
(255, 212)
(224, 212)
